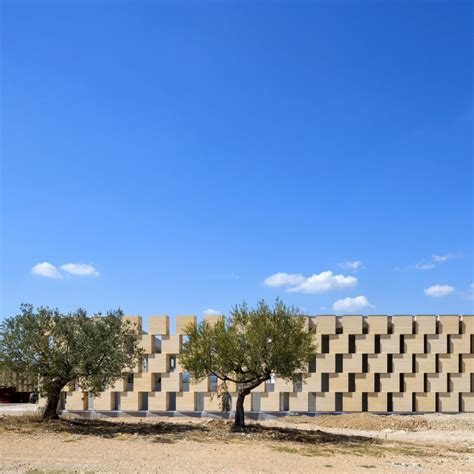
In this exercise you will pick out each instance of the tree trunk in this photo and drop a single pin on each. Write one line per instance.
(51, 410)
(239, 420)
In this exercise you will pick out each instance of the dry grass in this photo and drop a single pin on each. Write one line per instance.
(287, 440)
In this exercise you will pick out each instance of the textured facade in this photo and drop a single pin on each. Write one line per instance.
(422, 363)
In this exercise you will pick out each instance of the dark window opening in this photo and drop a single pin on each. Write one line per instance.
(325, 344)
(339, 363)
(352, 344)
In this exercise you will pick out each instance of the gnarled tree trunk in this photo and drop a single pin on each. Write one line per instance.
(51, 410)
(239, 419)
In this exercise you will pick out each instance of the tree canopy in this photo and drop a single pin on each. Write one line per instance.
(249, 347)
(56, 349)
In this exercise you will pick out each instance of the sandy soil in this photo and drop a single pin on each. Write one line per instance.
(343, 443)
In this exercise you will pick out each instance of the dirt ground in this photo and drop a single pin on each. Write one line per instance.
(333, 443)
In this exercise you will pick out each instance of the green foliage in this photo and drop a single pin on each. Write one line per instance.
(55, 349)
(249, 346)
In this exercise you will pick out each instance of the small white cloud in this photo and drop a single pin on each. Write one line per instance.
(324, 282)
(434, 261)
(437, 291)
(46, 269)
(211, 312)
(352, 305)
(79, 269)
(284, 279)
(235, 276)
(352, 265)
(424, 266)
(315, 284)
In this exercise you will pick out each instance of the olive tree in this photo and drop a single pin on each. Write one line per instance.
(248, 347)
(55, 349)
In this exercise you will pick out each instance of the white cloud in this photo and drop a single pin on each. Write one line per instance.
(437, 291)
(434, 261)
(424, 266)
(211, 312)
(314, 284)
(284, 279)
(46, 269)
(352, 265)
(352, 305)
(79, 269)
(324, 282)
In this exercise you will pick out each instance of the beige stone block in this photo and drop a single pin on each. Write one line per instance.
(182, 322)
(143, 382)
(467, 324)
(437, 383)
(364, 383)
(352, 324)
(325, 401)
(202, 386)
(467, 363)
(312, 383)
(377, 363)
(460, 382)
(171, 382)
(425, 323)
(352, 363)
(377, 324)
(325, 363)
(299, 401)
(157, 401)
(414, 382)
(414, 344)
(339, 344)
(390, 344)
(171, 344)
(103, 401)
(211, 402)
(389, 383)
(119, 385)
(352, 402)
(437, 344)
(448, 402)
(76, 400)
(467, 402)
(425, 363)
(147, 343)
(270, 401)
(283, 385)
(213, 319)
(130, 401)
(425, 402)
(324, 324)
(402, 324)
(317, 341)
(185, 401)
(402, 363)
(136, 322)
(338, 382)
(448, 363)
(365, 344)
(159, 325)
(402, 402)
(460, 344)
(377, 402)
(158, 363)
(449, 324)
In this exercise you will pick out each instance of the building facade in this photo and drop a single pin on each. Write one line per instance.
(381, 364)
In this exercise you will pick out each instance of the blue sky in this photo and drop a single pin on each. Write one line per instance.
(193, 155)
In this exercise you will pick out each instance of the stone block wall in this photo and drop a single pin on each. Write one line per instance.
(405, 363)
